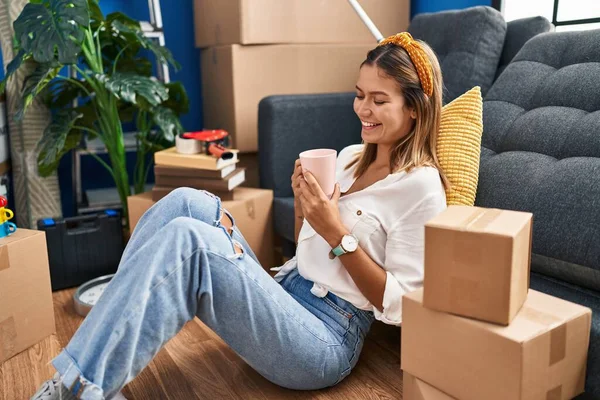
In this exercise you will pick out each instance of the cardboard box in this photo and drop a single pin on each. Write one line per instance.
(415, 389)
(236, 78)
(477, 262)
(251, 208)
(542, 354)
(26, 307)
(219, 22)
(250, 161)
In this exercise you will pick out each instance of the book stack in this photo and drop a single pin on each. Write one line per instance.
(199, 171)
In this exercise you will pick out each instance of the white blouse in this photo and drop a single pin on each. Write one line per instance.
(388, 218)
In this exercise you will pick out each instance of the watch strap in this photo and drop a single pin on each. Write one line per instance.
(339, 250)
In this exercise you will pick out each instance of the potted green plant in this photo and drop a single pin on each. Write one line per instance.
(113, 84)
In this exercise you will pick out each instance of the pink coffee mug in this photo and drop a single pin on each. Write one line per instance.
(321, 163)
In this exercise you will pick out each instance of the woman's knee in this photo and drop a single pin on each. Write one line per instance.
(185, 227)
(199, 204)
(181, 194)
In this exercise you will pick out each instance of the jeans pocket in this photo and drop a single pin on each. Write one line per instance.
(336, 307)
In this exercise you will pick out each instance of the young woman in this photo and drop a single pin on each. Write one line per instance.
(358, 253)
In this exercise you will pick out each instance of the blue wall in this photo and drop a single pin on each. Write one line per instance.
(178, 22)
(421, 6)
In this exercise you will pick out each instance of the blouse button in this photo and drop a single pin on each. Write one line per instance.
(359, 212)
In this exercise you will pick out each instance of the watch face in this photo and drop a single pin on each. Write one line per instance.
(350, 243)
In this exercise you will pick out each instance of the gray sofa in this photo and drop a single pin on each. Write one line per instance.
(476, 40)
(540, 153)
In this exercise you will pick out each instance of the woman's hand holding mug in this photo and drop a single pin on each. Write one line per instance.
(296, 178)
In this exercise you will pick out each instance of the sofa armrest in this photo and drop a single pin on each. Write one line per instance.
(290, 124)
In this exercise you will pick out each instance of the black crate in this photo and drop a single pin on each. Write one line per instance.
(82, 248)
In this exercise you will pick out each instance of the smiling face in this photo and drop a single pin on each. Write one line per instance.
(381, 107)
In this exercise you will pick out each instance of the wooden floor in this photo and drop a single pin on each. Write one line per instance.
(197, 364)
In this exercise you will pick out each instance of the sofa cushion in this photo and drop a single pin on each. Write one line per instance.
(468, 44)
(459, 146)
(518, 32)
(291, 124)
(283, 213)
(541, 151)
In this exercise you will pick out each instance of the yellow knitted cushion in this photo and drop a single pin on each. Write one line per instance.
(459, 146)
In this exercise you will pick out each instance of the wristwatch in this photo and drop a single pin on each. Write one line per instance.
(349, 244)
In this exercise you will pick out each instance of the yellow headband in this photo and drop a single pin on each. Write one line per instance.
(417, 56)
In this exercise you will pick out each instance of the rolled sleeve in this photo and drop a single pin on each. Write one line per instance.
(392, 302)
(404, 257)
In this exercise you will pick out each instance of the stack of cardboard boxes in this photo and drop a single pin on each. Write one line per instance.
(198, 171)
(252, 49)
(476, 331)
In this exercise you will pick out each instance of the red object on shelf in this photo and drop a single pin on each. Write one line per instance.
(206, 135)
(3, 201)
(214, 140)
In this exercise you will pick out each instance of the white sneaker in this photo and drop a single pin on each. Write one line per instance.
(52, 389)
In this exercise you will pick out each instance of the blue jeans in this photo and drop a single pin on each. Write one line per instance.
(181, 262)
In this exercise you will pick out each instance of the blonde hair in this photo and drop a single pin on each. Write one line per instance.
(418, 147)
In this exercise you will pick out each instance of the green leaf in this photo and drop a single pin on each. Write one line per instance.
(178, 100)
(163, 54)
(55, 26)
(152, 144)
(58, 138)
(61, 93)
(135, 88)
(122, 18)
(13, 66)
(168, 122)
(34, 84)
(115, 42)
(87, 120)
(95, 12)
(138, 65)
(127, 111)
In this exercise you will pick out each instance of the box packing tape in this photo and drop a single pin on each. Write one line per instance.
(481, 218)
(554, 394)
(8, 338)
(463, 289)
(558, 341)
(188, 146)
